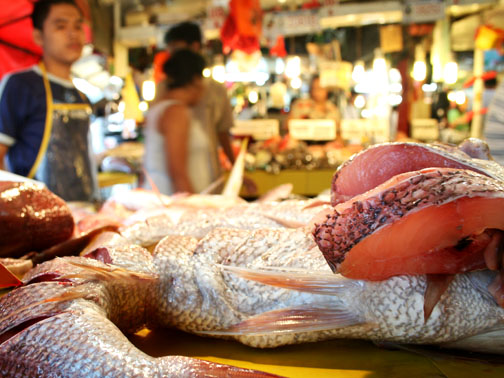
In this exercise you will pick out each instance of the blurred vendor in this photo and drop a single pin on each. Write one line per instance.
(317, 106)
(44, 120)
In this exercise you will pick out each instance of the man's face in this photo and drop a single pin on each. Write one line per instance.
(62, 36)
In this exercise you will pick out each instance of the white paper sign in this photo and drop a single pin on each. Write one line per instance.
(259, 129)
(418, 11)
(312, 129)
(357, 130)
(426, 129)
(335, 74)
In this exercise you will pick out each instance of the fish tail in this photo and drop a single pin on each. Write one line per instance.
(108, 273)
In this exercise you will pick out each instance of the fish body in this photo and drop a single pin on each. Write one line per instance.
(264, 288)
(70, 318)
(267, 288)
(27, 206)
(197, 222)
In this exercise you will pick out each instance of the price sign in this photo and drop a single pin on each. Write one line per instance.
(357, 130)
(335, 74)
(354, 130)
(312, 129)
(426, 129)
(418, 11)
(259, 129)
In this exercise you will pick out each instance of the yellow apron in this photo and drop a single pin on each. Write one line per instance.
(64, 160)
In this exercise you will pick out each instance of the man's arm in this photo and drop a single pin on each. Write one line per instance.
(226, 146)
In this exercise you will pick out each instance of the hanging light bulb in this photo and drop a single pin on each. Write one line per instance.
(143, 106)
(253, 97)
(360, 101)
(293, 67)
(380, 73)
(419, 67)
(296, 83)
(358, 72)
(419, 71)
(219, 73)
(148, 90)
(450, 73)
(207, 72)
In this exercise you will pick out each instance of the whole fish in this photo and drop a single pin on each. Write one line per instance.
(31, 218)
(69, 318)
(268, 288)
(264, 288)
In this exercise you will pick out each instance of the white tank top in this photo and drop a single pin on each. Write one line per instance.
(155, 164)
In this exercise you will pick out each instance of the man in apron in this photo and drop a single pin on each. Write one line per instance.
(44, 120)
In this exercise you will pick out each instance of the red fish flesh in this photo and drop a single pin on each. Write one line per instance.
(378, 163)
(433, 221)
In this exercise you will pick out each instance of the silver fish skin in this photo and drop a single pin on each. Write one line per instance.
(198, 222)
(209, 286)
(69, 319)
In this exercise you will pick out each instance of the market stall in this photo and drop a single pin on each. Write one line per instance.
(392, 267)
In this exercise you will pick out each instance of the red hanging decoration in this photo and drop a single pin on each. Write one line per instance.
(243, 26)
(279, 48)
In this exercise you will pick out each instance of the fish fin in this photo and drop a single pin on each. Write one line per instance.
(285, 222)
(278, 193)
(107, 273)
(488, 341)
(496, 288)
(316, 203)
(71, 247)
(235, 179)
(294, 320)
(214, 185)
(436, 286)
(72, 293)
(298, 279)
(154, 187)
(7, 278)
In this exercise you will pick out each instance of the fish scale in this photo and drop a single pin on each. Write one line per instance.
(78, 326)
(390, 310)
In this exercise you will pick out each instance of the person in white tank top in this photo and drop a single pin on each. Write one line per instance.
(177, 149)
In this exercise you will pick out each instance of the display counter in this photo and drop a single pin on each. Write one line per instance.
(305, 182)
(334, 358)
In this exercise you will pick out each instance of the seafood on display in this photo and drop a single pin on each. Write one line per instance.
(429, 273)
(31, 218)
(68, 319)
(378, 163)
